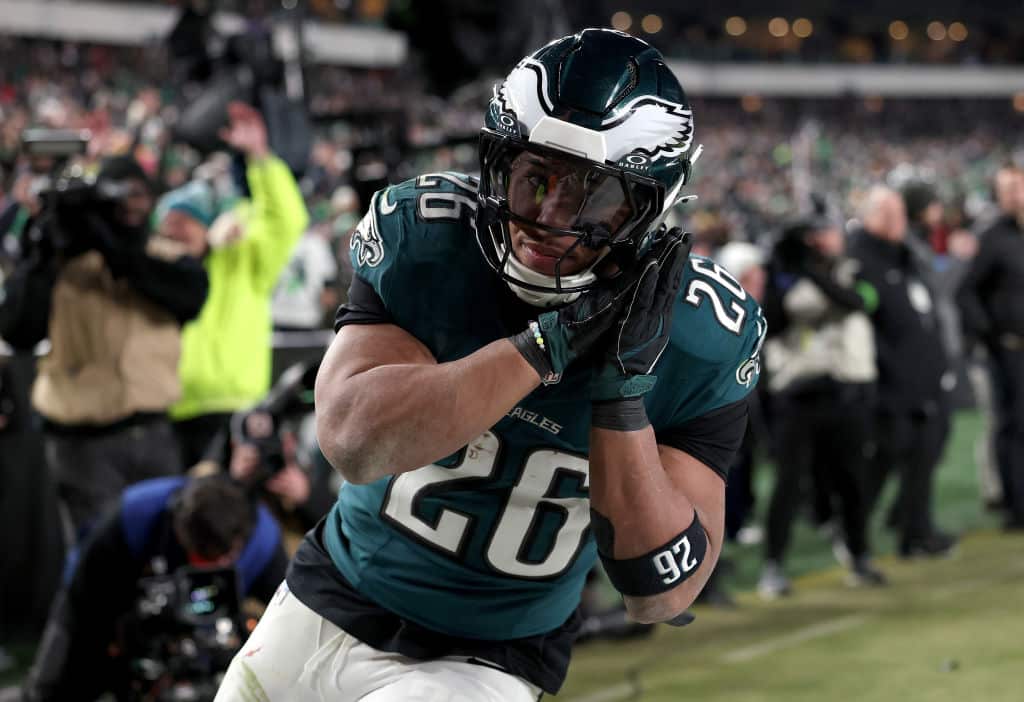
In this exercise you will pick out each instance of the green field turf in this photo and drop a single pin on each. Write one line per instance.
(949, 629)
(943, 630)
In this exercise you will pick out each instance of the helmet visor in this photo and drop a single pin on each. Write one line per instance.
(549, 190)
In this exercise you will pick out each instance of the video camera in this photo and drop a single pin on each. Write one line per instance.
(190, 596)
(251, 67)
(261, 425)
(66, 195)
(181, 637)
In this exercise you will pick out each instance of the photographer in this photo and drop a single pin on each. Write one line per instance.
(158, 527)
(112, 300)
(226, 352)
(299, 492)
(271, 451)
(820, 358)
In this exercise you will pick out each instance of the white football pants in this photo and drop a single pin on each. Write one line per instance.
(295, 655)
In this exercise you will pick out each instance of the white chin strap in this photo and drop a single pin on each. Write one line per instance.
(516, 270)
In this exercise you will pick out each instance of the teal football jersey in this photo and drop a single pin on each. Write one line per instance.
(494, 541)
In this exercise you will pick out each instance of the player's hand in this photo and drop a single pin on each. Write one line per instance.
(561, 336)
(644, 324)
(246, 130)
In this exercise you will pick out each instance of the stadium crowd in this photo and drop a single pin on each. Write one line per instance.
(811, 204)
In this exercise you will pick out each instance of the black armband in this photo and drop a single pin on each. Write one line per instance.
(627, 414)
(529, 342)
(660, 570)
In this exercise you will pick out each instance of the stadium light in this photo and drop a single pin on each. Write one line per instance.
(651, 24)
(898, 30)
(778, 27)
(622, 21)
(735, 26)
(803, 27)
(958, 31)
(936, 30)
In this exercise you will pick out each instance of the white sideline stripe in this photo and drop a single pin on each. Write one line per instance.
(624, 691)
(815, 631)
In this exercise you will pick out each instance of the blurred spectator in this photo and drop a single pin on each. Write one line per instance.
(307, 293)
(914, 376)
(820, 363)
(924, 214)
(991, 299)
(347, 211)
(942, 253)
(24, 201)
(112, 300)
(226, 352)
(158, 526)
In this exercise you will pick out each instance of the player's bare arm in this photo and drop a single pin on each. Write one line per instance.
(653, 509)
(650, 494)
(385, 406)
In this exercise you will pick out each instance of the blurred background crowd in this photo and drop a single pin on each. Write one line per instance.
(875, 215)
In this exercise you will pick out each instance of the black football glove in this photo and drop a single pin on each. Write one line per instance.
(643, 332)
(561, 336)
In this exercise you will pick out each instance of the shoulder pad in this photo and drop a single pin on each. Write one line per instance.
(420, 208)
(713, 358)
(428, 219)
(715, 318)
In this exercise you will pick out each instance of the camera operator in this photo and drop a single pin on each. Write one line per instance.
(820, 357)
(159, 527)
(226, 352)
(271, 451)
(299, 495)
(112, 300)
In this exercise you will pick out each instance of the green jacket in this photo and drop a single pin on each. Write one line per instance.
(226, 351)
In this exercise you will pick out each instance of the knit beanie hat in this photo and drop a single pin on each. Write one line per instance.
(196, 199)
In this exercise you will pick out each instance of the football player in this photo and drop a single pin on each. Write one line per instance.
(531, 373)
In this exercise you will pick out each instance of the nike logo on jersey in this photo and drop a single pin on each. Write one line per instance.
(535, 419)
(386, 206)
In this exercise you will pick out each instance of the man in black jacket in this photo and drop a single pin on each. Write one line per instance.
(112, 300)
(991, 300)
(914, 377)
